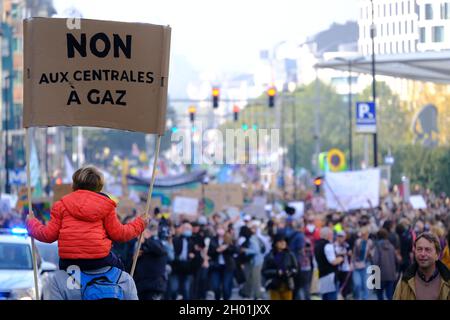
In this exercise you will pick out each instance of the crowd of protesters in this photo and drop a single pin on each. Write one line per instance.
(284, 256)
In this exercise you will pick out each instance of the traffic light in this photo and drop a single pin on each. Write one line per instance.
(271, 92)
(192, 111)
(245, 127)
(236, 113)
(318, 181)
(215, 94)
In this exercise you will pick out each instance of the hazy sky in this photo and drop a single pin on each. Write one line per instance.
(227, 35)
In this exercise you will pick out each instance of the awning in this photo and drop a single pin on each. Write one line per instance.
(422, 66)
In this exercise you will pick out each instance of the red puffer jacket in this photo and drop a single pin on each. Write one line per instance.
(84, 223)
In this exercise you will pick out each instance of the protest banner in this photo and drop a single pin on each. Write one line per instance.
(352, 190)
(104, 74)
(417, 202)
(185, 206)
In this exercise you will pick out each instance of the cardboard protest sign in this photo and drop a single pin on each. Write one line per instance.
(99, 74)
(221, 196)
(417, 202)
(184, 205)
(60, 190)
(353, 189)
(189, 193)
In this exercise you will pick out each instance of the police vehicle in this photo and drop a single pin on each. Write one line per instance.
(16, 266)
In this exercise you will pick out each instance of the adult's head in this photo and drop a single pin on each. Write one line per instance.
(195, 227)
(326, 233)
(220, 231)
(279, 242)
(426, 250)
(419, 227)
(88, 178)
(186, 229)
(382, 234)
(299, 225)
(388, 225)
(254, 226)
(364, 232)
(340, 237)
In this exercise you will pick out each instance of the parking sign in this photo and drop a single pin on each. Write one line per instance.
(366, 120)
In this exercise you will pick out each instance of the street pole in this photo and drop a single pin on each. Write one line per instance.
(317, 123)
(374, 95)
(350, 115)
(7, 185)
(294, 128)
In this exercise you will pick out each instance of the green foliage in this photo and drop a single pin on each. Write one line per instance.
(426, 167)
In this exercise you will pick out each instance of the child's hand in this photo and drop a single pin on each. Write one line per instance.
(145, 217)
(30, 216)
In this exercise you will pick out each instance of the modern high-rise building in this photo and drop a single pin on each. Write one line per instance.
(404, 26)
(12, 13)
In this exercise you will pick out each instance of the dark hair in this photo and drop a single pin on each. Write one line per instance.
(88, 178)
(387, 225)
(431, 238)
(382, 234)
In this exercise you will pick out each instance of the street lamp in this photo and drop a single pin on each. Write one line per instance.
(350, 61)
(374, 95)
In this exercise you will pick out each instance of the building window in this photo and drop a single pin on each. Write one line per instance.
(417, 9)
(399, 28)
(428, 11)
(384, 10)
(18, 78)
(438, 34)
(390, 9)
(406, 27)
(393, 28)
(445, 11)
(403, 8)
(412, 26)
(422, 35)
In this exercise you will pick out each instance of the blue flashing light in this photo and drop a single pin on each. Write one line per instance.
(19, 231)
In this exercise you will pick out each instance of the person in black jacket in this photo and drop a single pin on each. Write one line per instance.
(184, 264)
(222, 264)
(150, 274)
(279, 270)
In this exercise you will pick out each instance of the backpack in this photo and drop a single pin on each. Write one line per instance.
(262, 246)
(102, 286)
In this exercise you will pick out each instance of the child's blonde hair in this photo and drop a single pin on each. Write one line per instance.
(88, 178)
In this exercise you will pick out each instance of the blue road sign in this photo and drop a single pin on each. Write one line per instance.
(366, 120)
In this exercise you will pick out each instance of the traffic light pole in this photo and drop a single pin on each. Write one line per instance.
(374, 94)
(294, 129)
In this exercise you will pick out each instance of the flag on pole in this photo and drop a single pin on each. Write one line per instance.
(68, 170)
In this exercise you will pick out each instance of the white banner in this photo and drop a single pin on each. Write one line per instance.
(184, 205)
(417, 202)
(352, 190)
